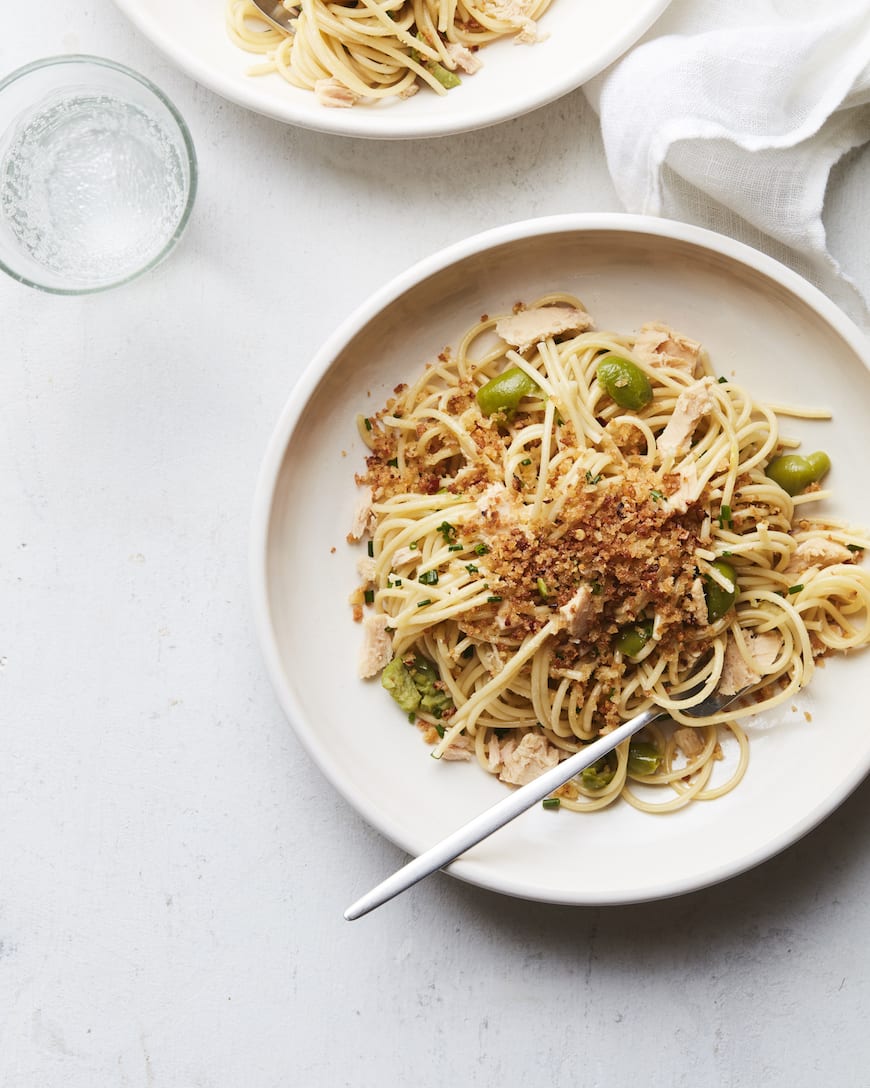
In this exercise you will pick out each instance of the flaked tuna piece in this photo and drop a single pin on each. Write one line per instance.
(458, 56)
(689, 741)
(688, 488)
(365, 568)
(692, 405)
(698, 608)
(579, 612)
(516, 12)
(529, 327)
(363, 515)
(736, 673)
(493, 754)
(401, 556)
(333, 93)
(500, 509)
(460, 749)
(531, 757)
(817, 553)
(490, 658)
(377, 646)
(658, 345)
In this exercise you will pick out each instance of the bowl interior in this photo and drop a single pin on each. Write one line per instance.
(759, 329)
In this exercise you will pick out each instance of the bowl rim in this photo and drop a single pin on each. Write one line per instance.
(367, 125)
(581, 222)
(190, 151)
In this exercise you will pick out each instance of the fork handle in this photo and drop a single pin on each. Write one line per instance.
(482, 826)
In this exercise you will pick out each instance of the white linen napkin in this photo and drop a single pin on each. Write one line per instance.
(732, 114)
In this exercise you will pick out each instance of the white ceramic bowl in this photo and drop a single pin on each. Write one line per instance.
(584, 37)
(763, 325)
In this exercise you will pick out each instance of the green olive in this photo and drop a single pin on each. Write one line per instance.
(596, 777)
(504, 392)
(719, 599)
(794, 472)
(643, 758)
(632, 639)
(624, 382)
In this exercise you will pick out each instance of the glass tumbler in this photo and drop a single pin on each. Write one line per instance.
(97, 174)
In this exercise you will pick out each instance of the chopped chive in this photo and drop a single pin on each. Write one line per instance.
(526, 461)
(723, 380)
(471, 568)
(371, 549)
(480, 549)
(412, 717)
(439, 729)
(394, 461)
(493, 600)
(551, 802)
(727, 555)
(596, 588)
(456, 548)
(795, 589)
(369, 596)
(422, 604)
(429, 578)
(655, 495)
(592, 480)
(855, 547)
(368, 423)
(413, 545)
(447, 530)
(542, 588)
(725, 516)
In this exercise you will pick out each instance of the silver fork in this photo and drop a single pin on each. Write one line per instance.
(482, 826)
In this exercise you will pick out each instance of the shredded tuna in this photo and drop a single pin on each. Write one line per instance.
(689, 741)
(402, 556)
(532, 756)
(366, 569)
(817, 553)
(579, 612)
(692, 405)
(493, 754)
(333, 93)
(490, 658)
(460, 749)
(363, 515)
(688, 487)
(657, 345)
(515, 12)
(458, 56)
(529, 327)
(377, 646)
(737, 673)
(698, 608)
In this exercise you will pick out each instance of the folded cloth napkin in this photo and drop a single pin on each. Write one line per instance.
(732, 114)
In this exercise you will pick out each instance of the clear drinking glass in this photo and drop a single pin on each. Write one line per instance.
(97, 174)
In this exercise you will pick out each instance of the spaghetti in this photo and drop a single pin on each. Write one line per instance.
(378, 49)
(565, 525)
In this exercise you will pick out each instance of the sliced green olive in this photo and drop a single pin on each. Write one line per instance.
(624, 382)
(719, 599)
(795, 472)
(597, 776)
(427, 680)
(632, 639)
(397, 680)
(504, 392)
(643, 758)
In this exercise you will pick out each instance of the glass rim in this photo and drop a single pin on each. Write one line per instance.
(187, 140)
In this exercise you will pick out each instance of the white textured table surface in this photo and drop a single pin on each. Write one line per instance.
(172, 867)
